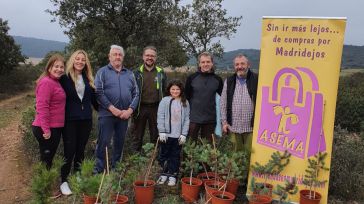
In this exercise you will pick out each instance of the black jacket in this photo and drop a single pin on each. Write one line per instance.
(251, 83)
(75, 108)
(201, 89)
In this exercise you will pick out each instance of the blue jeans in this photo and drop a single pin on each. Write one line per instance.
(110, 126)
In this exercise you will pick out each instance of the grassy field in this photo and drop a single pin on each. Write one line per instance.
(346, 72)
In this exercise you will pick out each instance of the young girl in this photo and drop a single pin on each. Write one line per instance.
(173, 123)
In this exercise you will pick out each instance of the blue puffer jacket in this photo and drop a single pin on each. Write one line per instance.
(116, 88)
(164, 116)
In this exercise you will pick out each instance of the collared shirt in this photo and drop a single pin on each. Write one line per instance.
(149, 89)
(242, 108)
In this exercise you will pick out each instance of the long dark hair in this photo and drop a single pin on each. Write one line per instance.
(179, 83)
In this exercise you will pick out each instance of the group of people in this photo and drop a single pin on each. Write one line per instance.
(174, 112)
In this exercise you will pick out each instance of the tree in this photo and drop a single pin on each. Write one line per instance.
(201, 24)
(10, 54)
(133, 24)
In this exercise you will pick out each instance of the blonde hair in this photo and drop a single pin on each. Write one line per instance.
(53, 59)
(87, 69)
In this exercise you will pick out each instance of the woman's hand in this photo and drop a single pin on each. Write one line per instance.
(47, 136)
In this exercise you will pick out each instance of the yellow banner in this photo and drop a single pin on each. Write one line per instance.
(298, 80)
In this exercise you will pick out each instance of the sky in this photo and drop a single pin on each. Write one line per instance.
(29, 19)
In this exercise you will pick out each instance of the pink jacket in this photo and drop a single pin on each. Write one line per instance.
(50, 104)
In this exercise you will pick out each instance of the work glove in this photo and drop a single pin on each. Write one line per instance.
(163, 137)
(181, 139)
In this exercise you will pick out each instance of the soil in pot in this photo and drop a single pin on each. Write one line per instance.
(208, 176)
(119, 199)
(305, 197)
(220, 197)
(191, 190)
(144, 194)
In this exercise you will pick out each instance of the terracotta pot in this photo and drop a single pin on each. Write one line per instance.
(190, 191)
(232, 186)
(267, 185)
(260, 199)
(211, 186)
(119, 199)
(89, 199)
(144, 194)
(305, 197)
(208, 176)
(220, 197)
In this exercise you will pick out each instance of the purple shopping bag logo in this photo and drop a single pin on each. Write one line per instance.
(292, 122)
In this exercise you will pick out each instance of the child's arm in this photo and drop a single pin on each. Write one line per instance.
(161, 117)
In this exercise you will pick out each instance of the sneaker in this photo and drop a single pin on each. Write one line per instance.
(162, 179)
(172, 181)
(65, 189)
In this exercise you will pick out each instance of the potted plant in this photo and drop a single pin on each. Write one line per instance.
(143, 187)
(289, 188)
(84, 183)
(190, 185)
(274, 166)
(311, 179)
(259, 197)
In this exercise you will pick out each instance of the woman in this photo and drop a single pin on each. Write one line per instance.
(78, 83)
(50, 106)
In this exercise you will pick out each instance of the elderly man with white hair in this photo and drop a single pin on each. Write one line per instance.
(118, 96)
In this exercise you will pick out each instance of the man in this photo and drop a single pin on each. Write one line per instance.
(201, 89)
(237, 104)
(151, 81)
(118, 96)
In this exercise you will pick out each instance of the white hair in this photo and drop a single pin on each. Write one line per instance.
(117, 47)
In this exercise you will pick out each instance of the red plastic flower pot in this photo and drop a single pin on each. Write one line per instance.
(211, 186)
(119, 199)
(89, 199)
(144, 194)
(232, 186)
(220, 197)
(190, 189)
(309, 197)
(208, 176)
(260, 199)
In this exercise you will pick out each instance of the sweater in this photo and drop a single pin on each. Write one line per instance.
(164, 116)
(116, 88)
(50, 104)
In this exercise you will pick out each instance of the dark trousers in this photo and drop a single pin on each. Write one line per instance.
(47, 147)
(75, 136)
(110, 127)
(146, 113)
(170, 157)
(206, 130)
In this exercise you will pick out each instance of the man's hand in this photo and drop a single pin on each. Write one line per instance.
(125, 114)
(115, 111)
(163, 137)
(225, 127)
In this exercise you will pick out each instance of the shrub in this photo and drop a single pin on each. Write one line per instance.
(347, 174)
(44, 181)
(29, 141)
(350, 102)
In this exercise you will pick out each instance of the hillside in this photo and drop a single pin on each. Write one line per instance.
(38, 48)
(353, 57)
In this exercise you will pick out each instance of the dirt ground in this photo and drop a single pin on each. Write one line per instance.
(15, 172)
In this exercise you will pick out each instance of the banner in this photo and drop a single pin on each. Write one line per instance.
(295, 110)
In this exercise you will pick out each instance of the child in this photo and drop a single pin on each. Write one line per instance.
(173, 123)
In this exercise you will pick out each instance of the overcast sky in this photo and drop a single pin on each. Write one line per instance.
(28, 18)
